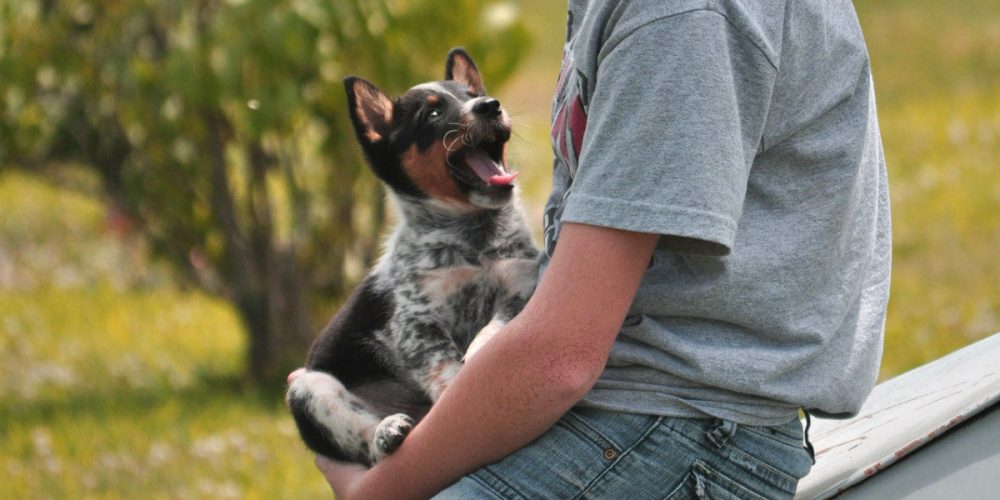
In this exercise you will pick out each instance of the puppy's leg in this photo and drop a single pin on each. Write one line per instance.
(422, 352)
(435, 367)
(484, 336)
(515, 279)
(336, 423)
(389, 434)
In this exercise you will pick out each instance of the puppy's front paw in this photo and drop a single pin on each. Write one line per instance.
(389, 434)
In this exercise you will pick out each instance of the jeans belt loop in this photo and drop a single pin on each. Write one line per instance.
(721, 432)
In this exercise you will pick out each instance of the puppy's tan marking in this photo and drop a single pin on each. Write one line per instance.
(439, 284)
(428, 169)
(440, 376)
(519, 275)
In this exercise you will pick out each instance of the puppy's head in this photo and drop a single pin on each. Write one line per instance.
(442, 141)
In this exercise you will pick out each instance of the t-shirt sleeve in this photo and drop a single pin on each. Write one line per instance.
(673, 123)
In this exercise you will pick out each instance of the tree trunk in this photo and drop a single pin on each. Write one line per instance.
(276, 320)
(265, 280)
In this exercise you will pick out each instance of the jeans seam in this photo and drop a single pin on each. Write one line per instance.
(778, 436)
(715, 474)
(621, 456)
(778, 478)
(577, 423)
(490, 484)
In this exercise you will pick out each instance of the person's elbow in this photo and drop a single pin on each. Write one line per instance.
(571, 375)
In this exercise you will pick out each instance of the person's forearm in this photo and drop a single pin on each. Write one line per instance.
(466, 430)
(530, 374)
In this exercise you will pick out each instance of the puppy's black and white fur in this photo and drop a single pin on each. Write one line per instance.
(460, 261)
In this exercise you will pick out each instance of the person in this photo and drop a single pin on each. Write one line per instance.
(717, 258)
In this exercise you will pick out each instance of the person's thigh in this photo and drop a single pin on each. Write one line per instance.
(600, 454)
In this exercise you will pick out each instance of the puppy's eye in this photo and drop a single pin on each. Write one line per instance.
(434, 113)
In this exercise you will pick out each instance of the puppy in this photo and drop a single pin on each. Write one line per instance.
(459, 261)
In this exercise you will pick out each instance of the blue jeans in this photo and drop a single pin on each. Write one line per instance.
(602, 454)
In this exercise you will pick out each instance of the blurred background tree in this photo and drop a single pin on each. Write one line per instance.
(218, 132)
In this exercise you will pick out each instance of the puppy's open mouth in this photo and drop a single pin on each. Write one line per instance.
(484, 166)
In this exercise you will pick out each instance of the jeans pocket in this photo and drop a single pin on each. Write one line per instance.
(770, 454)
(561, 463)
(790, 434)
(704, 482)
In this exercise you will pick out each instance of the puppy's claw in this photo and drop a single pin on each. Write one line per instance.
(389, 434)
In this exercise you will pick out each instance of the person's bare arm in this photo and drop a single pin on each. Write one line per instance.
(525, 378)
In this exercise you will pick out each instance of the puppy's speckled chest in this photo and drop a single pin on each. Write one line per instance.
(441, 277)
(511, 273)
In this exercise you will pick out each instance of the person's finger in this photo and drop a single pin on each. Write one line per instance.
(340, 475)
(296, 374)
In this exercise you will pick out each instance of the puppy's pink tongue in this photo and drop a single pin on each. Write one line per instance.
(489, 171)
(503, 180)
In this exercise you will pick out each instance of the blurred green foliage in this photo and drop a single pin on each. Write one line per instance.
(217, 130)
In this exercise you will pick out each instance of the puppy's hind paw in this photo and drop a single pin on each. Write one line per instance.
(389, 434)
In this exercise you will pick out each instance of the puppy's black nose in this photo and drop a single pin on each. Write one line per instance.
(489, 108)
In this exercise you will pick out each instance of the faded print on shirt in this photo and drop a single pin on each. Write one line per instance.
(569, 123)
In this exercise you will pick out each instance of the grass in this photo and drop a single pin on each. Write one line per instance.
(937, 74)
(114, 383)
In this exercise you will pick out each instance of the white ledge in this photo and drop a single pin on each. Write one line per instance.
(902, 415)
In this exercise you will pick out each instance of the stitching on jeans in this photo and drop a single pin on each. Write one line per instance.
(574, 422)
(705, 472)
(779, 436)
(778, 474)
(767, 472)
(488, 484)
(621, 456)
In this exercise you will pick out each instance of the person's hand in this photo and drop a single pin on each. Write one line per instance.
(343, 477)
(291, 378)
(295, 374)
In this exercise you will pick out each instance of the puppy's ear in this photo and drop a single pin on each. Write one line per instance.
(461, 69)
(371, 110)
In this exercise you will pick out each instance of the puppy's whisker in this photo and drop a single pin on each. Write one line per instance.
(467, 138)
(450, 146)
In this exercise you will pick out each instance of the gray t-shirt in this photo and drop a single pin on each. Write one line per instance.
(745, 134)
